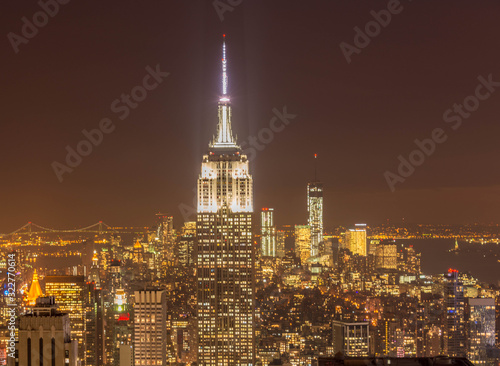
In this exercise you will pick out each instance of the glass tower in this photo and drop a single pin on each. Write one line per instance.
(268, 232)
(481, 330)
(455, 315)
(315, 211)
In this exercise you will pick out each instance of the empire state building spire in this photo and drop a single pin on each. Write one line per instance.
(224, 137)
(224, 67)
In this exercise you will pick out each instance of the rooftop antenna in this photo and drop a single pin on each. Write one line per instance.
(315, 167)
(224, 66)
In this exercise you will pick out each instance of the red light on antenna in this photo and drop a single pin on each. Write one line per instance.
(224, 35)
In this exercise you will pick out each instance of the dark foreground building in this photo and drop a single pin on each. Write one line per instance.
(393, 361)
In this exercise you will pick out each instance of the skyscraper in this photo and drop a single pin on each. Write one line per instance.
(355, 240)
(69, 293)
(268, 232)
(119, 334)
(386, 255)
(150, 332)
(45, 336)
(225, 258)
(481, 330)
(315, 211)
(455, 315)
(303, 242)
(35, 290)
(186, 245)
(166, 234)
(352, 339)
(94, 325)
(280, 243)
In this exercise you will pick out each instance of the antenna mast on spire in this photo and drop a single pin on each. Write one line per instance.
(224, 137)
(224, 67)
(315, 167)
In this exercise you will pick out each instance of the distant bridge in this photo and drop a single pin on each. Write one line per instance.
(98, 228)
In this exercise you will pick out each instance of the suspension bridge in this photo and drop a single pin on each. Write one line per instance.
(33, 229)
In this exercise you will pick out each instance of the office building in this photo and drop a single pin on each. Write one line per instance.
(35, 290)
(45, 336)
(352, 339)
(303, 242)
(166, 234)
(268, 233)
(94, 326)
(280, 243)
(481, 330)
(187, 240)
(455, 315)
(69, 294)
(150, 332)
(315, 213)
(355, 240)
(386, 255)
(225, 258)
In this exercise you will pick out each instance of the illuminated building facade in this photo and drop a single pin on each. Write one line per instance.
(355, 240)
(69, 294)
(408, 259)
(268, 232)
(166, 234)
(138, 253)
(181, 339)
(455, 315)
(45, 336)
(352, 339)
(225, 258)
(35, 291)
(303, 242)
(386, 257)
(150, 332)
(280, 243)
(187, 243)
(481, 330)
(119, 331)
(94, 325)
(372, 246)
(94, 275)
(315, 212)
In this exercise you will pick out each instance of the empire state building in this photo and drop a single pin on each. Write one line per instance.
(225, 258)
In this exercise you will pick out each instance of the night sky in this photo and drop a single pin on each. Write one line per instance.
(358, 116)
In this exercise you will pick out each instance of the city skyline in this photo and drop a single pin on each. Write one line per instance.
(287, 184)
(362, 143)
